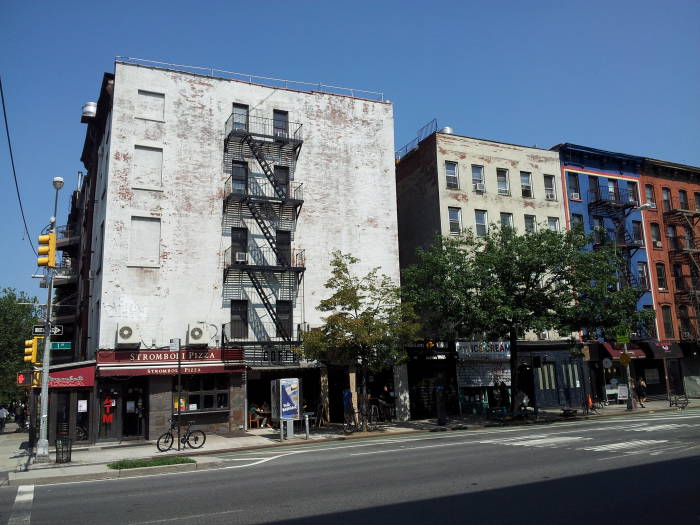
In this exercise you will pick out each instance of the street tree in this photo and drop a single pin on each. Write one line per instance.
(505, 284)
(17, 315)
(366, 324)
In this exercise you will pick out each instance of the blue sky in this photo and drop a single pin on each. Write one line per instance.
(622, 75)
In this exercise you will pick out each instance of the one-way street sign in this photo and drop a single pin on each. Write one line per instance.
(56, 329)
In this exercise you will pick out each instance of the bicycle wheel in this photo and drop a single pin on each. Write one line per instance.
(196, 439)
(373, 420)
(165, 442)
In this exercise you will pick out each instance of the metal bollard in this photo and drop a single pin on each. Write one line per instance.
(281, 430)
(306, 424)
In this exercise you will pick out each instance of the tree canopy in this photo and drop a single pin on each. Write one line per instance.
(16, 322)
(505, 283)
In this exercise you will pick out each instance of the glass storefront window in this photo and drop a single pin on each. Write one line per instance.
(203, 392)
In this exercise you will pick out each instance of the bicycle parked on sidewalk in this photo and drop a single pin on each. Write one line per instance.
(354, 421)
(191, 438)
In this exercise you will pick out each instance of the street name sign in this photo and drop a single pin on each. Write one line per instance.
(61, 346)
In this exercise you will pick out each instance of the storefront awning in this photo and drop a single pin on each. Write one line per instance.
(165, 362)
(634, 351)
(72, 377)
(664, 350)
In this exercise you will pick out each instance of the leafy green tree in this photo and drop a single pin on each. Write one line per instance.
(367, 323)
(504, 284)
(16, 320)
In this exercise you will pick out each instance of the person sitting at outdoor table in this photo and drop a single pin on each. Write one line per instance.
(385, 403)
(256, 413)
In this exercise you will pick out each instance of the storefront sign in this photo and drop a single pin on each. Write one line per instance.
(72, 378)
(165, 362)
(622, 392)
(483, 351)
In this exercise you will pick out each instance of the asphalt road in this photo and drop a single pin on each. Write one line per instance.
(636, 469)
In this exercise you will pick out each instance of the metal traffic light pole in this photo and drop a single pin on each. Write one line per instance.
(42, 447)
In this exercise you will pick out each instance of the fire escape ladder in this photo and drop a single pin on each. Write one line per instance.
(262, 224)
(257, 149)
(268, 305)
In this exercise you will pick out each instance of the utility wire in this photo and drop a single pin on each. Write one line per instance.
(14, 173)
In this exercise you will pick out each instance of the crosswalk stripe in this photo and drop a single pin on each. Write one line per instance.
(22, 509)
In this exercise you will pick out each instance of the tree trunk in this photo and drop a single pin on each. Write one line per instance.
(513, 368)
(363, 400)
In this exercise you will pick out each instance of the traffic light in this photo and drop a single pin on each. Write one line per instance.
(24, 378)
(31, 348)
(47, 250)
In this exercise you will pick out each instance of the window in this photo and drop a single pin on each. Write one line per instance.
(144, 243)
(688, 239)
(642, 274)
(683, 200)
(656, 235)
(594, 187)
(549, 188)
(281, 176)
(666, 198)
(686, 325)
(598, 230)
(151, 106)
(672, 238)
(451, 175)
(478, 178)
(651, 198)
(632, 195)
(573, 183)
(239, 242)
(284, 314)
(502, 181)
(668, 321)
(507, 219)
(240, 117)
(530, 224)
(148, 168)
(694, 277)
(678, 281)
(239, 319)
(455, 216)
(280, 123)
(613, 190)
(480, 219)
(651, 324)
(697, 202)
(526, 184)
(576, 220)
(637, 233)
(284, 247)
(239, 178)
(661, 276)
(553, 223)
(202, 392)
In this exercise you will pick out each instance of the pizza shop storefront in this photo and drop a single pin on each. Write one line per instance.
(136, 392)
(71, 402)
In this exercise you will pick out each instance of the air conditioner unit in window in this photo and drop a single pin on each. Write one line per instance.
(658, 244)
(128, 335)
(503, 191)
(632, 199)
(198, 334)
(652, 205)
(479, 186)
(241, 257)
(575, 196)
(550, 196)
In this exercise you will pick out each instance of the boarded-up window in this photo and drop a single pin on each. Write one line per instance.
(148, 167)
(151, 105)
(144, 243)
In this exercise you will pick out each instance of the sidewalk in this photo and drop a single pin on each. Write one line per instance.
(89, 462)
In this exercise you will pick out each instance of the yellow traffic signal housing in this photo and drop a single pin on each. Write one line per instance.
(47, 250)
(36, 379)
(31, 347)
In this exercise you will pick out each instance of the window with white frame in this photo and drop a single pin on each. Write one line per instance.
(574, 186)
(502, 181)
(481, 222)
(507, 219)
(553, 223)
(550, 190)
(455, 217)
(478, 177)
(526, 184)
(451, 175)
(530, 224)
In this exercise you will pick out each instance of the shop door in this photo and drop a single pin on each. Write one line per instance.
(572, 384)
(546, 383)
(134, 411)
(62, 414)
(82, 416)
(109, 406)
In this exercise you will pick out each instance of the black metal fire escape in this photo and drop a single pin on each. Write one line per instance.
(616, 206)
(262, 140)
(683, 250)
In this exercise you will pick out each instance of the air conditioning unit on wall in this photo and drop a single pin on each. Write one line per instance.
(575, 196)
(198, 334)
(128, 335)
(241, 257)
(479, 186)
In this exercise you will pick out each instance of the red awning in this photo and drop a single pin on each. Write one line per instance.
(665, 350)
(634, 351)
(72, 377)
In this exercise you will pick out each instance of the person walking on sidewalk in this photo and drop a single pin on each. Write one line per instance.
(641, 391)
(3, 416)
